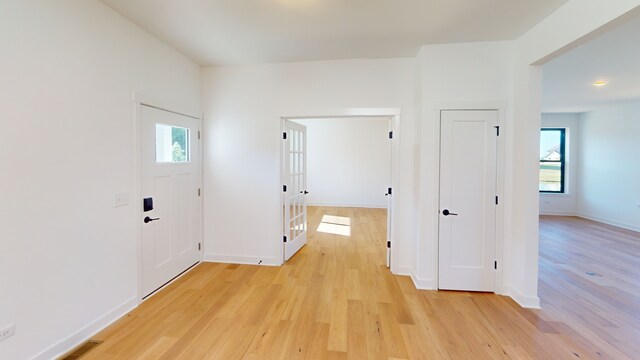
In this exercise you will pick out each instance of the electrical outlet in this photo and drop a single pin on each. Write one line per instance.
(7, 332)
(121, 199)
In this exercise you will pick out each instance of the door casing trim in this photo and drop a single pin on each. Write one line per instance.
(395, 114)
(140, 100)
(502, 108)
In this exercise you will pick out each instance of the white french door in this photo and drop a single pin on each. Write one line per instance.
(467, 232)
(170, 162)
(389, 195)
(295, 187)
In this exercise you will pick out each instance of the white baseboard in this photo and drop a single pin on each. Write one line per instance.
(592, 218)
(402, 271)
(87, 332)
(420, 284)
(366, 206)
(424, 284)
(528, 302)
(239, 259)
(558, 213)
(609, 222)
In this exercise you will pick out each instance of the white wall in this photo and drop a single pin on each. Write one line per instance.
(68, 258)
(455, 76)
(243, 106)
(571, 25)
(609, 170)
(348, 162)
(564, 204)
(499, 71)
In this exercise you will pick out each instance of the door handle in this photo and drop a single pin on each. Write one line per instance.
(148, 219)
(304, 192)
(446, 212)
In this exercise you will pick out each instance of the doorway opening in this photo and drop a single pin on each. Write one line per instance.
(588, 180)
(338, 184)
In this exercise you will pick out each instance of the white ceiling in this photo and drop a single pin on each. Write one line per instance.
(217, 32)
(613, 56)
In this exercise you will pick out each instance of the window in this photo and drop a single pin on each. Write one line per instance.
(172, 144)
(552, 160)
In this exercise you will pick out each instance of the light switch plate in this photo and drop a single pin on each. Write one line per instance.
(121, 199)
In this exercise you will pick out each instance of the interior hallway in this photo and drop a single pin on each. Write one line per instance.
(336, 299)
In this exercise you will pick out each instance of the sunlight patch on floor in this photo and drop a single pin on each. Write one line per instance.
(337, 225)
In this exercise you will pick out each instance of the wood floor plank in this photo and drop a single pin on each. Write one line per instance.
(336, 299)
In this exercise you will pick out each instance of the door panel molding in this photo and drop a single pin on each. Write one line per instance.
(431, 115)
(467, 238)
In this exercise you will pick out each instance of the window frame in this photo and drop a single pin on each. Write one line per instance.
(563, 160)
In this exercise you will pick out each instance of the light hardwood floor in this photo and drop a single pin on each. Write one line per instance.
(335, 299)
(590, 284)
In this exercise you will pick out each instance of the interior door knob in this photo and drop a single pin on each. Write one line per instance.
(148, 219)
(446, 212)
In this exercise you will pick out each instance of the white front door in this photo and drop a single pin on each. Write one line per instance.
(295, 187)
(170, 161)
(467, 229)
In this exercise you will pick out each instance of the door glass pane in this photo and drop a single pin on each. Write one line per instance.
(291, 163)
(172, 144)
(292, 234)
(293, 184)
(302, 142)
(302, 163)
(301, 171)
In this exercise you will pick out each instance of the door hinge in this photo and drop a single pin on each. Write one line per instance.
(495, 265)
(284, 188)
(497, 130)
(389, 190)
(284, 239)
(388, 244)
(198, 134)
(497, 201)
(199, 246)
(390, 134)
(199, 192)
(284, 136)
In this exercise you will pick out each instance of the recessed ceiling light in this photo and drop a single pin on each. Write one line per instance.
(600, 83)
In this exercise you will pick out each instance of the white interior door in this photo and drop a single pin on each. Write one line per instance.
(389, 195)
(467, 230)
(170, 163)
(295, 187)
